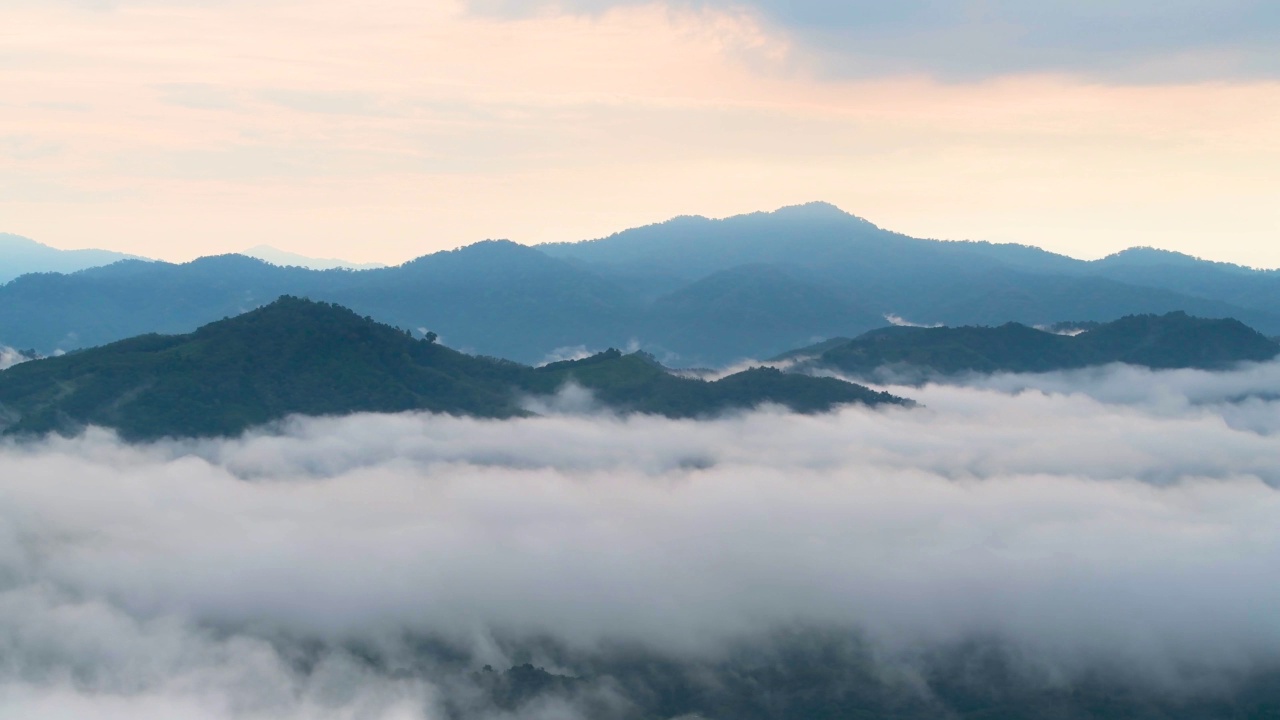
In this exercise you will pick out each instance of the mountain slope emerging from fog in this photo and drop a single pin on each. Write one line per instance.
(693, 291)
(1174, 340)
(19, 256)
(296, 356)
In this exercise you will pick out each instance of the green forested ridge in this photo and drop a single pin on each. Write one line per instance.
(312, 358)
(1174, 340)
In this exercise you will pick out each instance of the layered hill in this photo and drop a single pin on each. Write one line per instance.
(692, 291)
(930, 281)
(498, 298)
(296, 356)
(20, 256)
(1174, 340)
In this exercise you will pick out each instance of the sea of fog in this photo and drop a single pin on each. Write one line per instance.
(1116, 523)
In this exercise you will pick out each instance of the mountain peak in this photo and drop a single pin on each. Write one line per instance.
(817, 210)
(297, 356)
(485, 256)
(1147, 254)
(10, 241)
(229, 261)
(816, 207)
(284, 258)
(292, 305)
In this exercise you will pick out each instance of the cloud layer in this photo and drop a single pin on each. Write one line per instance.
(1123, 521)
(1130, 40)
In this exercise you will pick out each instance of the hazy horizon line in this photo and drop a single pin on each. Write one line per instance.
(330, 257)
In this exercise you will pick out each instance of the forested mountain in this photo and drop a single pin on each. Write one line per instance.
(296, 356)
(19, 256)
(743, 309)
(692, 291)
(499, 298)
(1175, 340)
(929, 281)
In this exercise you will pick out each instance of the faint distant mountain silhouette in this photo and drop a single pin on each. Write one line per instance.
(20, 255)
(284, 258)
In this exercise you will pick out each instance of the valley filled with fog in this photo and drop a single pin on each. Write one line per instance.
(1023, 541)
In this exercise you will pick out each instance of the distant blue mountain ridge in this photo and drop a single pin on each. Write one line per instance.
(20, 255)
(692, 291)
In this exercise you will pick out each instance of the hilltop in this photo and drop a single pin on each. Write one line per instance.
(1173, 340)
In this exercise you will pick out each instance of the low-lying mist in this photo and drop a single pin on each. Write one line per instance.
(1113, 528)
(10, 357)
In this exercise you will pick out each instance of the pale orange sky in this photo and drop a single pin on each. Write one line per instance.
(387, 129)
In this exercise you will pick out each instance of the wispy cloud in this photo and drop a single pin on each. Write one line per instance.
(198, 96)
(1126, 40)
(10, 357)
(894, 319)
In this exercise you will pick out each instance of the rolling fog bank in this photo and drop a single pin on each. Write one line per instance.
(1034, 544)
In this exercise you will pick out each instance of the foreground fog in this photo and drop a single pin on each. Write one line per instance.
(1117, 522)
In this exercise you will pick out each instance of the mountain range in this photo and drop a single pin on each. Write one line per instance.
(20, 256)
(297, 356)
(1175, 340)
(692, 291)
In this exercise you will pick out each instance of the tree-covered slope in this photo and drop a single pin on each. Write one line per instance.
(749, 311)
(293, 356)
(1174, 340)
(296, 356)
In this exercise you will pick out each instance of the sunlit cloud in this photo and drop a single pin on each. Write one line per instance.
(182, 128)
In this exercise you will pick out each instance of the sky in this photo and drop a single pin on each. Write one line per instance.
(185, 578)
(383, 130)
